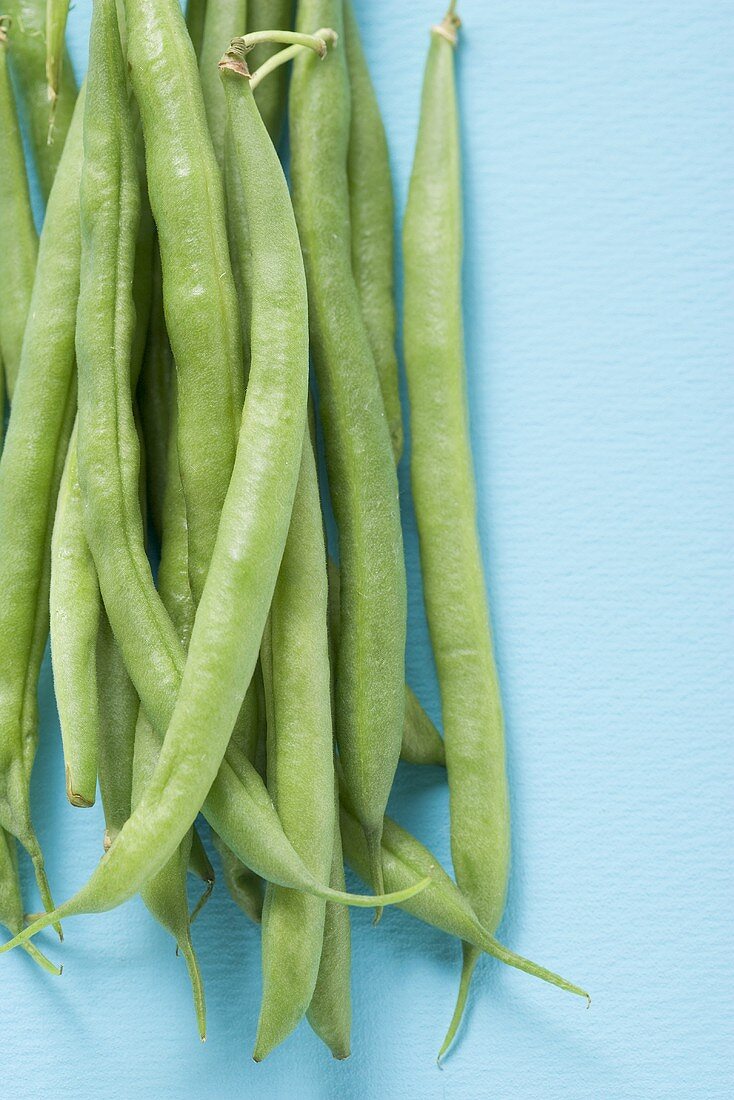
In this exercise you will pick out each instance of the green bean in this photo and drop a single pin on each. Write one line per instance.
(154, 399)
(57, 12)
(445, 504)
(75, 600)
(198, 704)
(111, 208)
(175, 591)
(370, 677)
(28, 66)
(442, 904)
(75, 607)
(224, 20)
(17, 231)
(11, 902)
(198, 289)
(295, 662)
(270, 95)
(118, 706)
(30, 473)
(372, 214)
(248, 740)
(173, 571)
(421, 743)
(195, 18)
(330, 1011)
(165, 894)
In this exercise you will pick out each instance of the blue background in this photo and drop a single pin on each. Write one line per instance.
(599, 164)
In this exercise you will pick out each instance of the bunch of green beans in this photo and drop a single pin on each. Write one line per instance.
(221, 674)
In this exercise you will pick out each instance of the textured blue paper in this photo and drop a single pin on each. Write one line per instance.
(599, 274)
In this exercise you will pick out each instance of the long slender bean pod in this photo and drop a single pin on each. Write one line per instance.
(17, 231)
(300, 757)
(372, 213)
(421, 743)
(30, 472)
(270, 95)
(75, 601)
(118, 705)
(445, 504)
(198, 289)
(28, 64)
(165, 893)
(75, 607)
(330, 1011)
(199, 711)
(442, 904)
(225, 19)
(370, 677)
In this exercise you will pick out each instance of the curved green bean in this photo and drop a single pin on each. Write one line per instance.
(164, 895)
(445, 505)
(28, 65)
(17, 231)
(370, 675)
(200, 709)
(30, 472)
(371, 211)
(442, 904)
(295, 663)
(198, 289)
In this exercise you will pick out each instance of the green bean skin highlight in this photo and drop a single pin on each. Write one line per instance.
(198, 288)
(330, 1011)
(30, 472)
(295, 662)
(445, 503)
(225, 19)
(28, 64)
(271, 95)
(75, 608)
(17, 231)
(370, 675)
(442, 904)
(372, 214)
